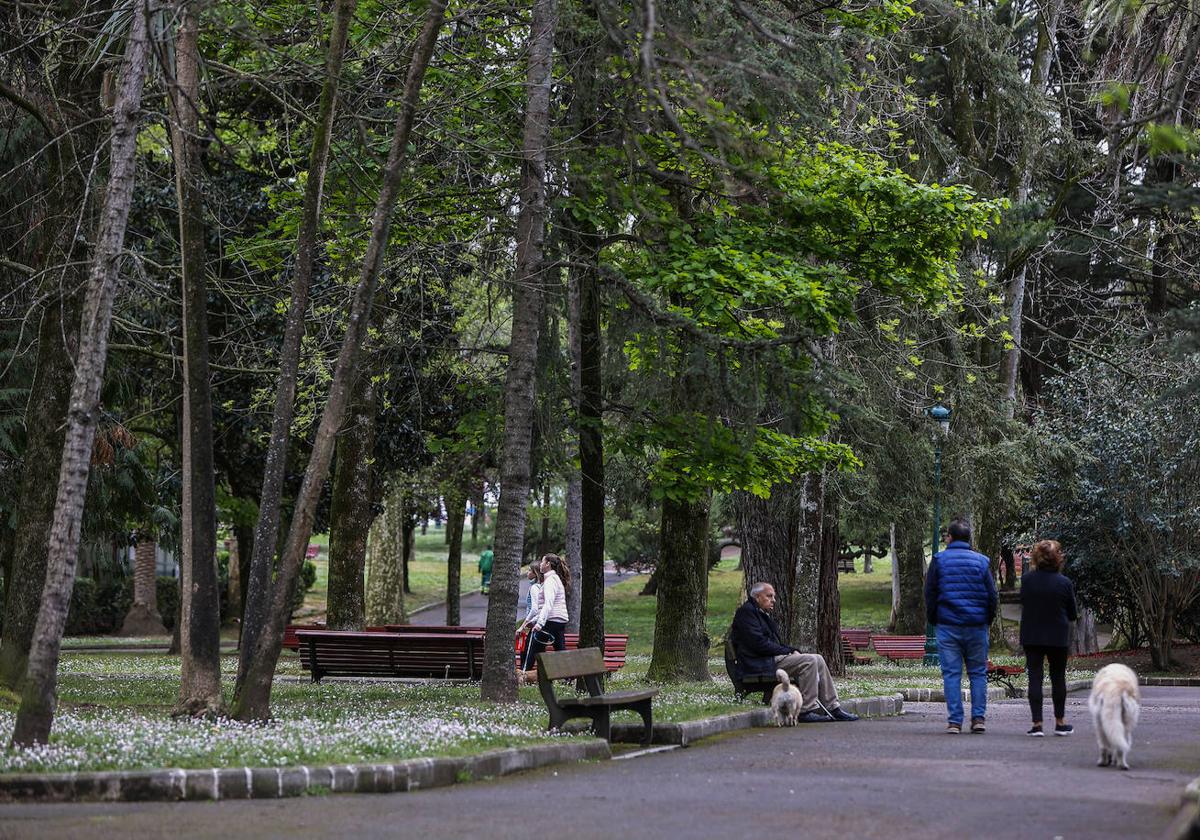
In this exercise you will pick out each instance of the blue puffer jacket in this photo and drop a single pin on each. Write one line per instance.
(959, 589)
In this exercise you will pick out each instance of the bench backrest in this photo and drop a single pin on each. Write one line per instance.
(342, 653)
(568, 664)
(899, 647)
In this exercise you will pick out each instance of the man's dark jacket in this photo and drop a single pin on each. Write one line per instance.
(1047, 609)
(756, 639)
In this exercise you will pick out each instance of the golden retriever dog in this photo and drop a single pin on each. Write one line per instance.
(1115, 703)
(785, 700)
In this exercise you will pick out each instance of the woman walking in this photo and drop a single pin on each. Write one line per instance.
(533, 607)
(1047, 610)
(550, 625)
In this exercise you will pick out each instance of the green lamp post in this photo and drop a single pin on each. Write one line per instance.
(940, 414)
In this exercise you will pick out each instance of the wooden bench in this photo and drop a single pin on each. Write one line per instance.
(1003, 674)
(746, 684)
(858, 639)
(897, 648)
(846, 565)
(589, 665)
(850, 656)
(341, 653)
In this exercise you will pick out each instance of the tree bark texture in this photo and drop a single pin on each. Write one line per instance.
(45, 431)
(456, 510)
(350, 512)
(894, 559)
(573, 535)
(770, 531)
(252, 699)
(910, 611)
(39, 691)
(199, 593)
(385, 592)
(499, 677)
(1083, 634)
(258, 586)
(143, 618)
(829, 599)
(681, 640)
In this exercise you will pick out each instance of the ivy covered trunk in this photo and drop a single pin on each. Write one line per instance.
(45, 428)
(456, 510)
(384, 586)
(681, 639)
(499, 675)
(39, 689)
(199, 592)
(350, 511)
(910, 558)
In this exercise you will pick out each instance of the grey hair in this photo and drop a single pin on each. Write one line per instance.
(757, 589)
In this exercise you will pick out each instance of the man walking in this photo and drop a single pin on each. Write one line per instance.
(961, 601)
(759, 651)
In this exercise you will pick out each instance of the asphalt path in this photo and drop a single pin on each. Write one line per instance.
(473, 606)
(887, 778)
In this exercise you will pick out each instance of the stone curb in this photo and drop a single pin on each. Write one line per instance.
(937, 695)
(1186, 825)
(684, 734)
(280, 782)
(1178, 682)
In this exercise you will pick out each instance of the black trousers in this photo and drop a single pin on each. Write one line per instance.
(557, 629)
(1057, 657)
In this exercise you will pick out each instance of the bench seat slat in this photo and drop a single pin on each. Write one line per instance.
(610, 698)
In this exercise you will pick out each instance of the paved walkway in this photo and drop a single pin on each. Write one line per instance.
(887, 778)
(473, 606)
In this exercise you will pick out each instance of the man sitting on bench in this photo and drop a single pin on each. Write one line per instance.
(756, 639)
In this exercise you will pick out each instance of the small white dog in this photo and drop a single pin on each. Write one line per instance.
(1115, 703)
(786, 700)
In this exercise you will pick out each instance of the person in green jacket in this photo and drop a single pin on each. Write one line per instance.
(485, 569)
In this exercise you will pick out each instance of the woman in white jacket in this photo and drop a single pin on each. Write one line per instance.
(550, 624)
(532, 608)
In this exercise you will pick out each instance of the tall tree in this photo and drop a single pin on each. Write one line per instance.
(350, 511)
(252, 696)
(38, 696)
(499, 679)
(200, 600)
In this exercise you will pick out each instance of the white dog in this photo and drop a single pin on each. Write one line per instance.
(1115, 704)
(785, 700)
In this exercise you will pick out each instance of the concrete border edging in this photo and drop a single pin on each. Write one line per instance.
(1186, 824)
(683, 734)
(1172, 682)
(279, 782)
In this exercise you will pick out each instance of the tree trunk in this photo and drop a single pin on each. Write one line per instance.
(385, 591)
(681, 640)
(807, 598)
(894, 558)
(252, 699)
(261, 564)
(38, 696)
(350, 512)
(233, 584)
(829, 599)
(499, 677)
(770, 530)
(199, 593)
(573, 532)
(1083, 634)
(143, 618)
(910, 612)
(1015, 293)
(408, 529)
(456, 510)
(45, 415)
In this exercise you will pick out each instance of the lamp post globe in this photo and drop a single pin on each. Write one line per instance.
(940, 414)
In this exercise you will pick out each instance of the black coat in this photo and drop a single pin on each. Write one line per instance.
(756, 640)
(1047, 609)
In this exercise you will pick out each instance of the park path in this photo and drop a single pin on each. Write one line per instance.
(882, 778)
(473, 606)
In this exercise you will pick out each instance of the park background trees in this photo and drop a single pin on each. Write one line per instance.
(699, 276)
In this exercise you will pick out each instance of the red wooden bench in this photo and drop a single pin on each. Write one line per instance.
(1003, 674)
(342, 653)
(897, 648)
(850, 656)
(858, 639)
